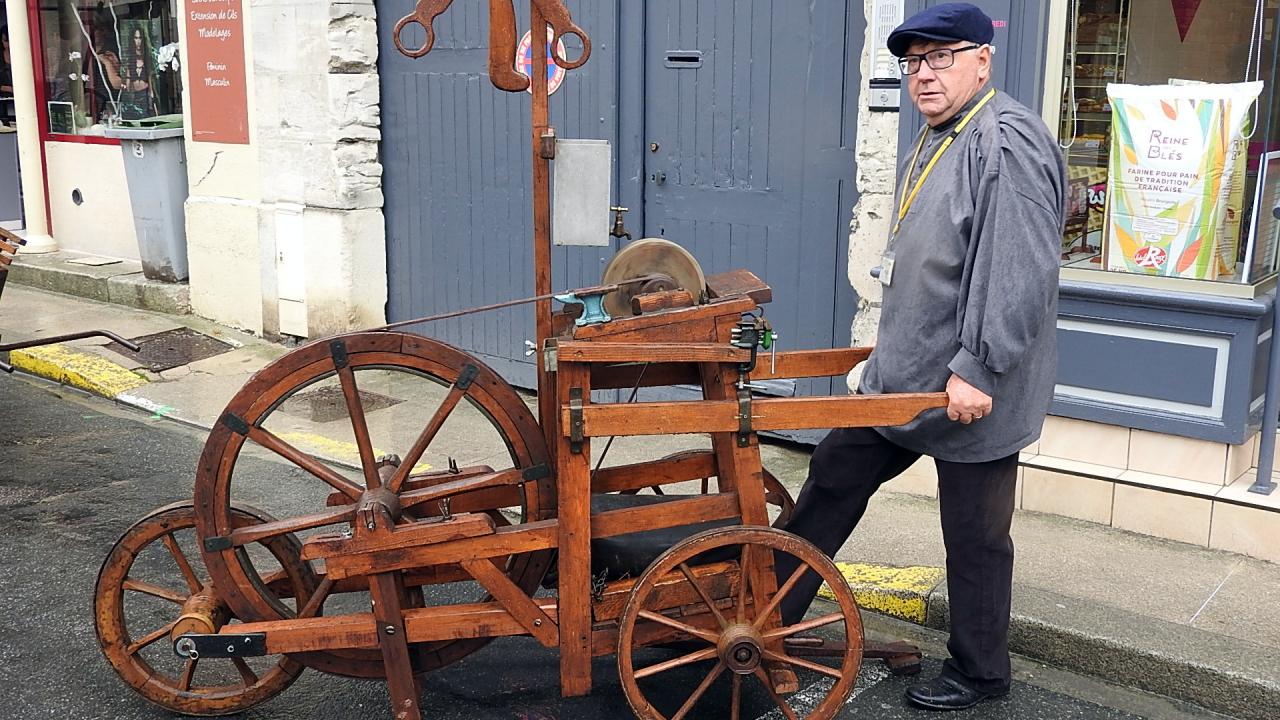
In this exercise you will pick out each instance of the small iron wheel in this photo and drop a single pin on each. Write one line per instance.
(153, 588)
(734, 653)
(776, 494)
(345, 413)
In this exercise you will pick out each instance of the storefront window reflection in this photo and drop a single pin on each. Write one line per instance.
(108, 61)
(1162, 43)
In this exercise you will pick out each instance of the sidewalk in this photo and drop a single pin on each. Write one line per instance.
(1174, 619)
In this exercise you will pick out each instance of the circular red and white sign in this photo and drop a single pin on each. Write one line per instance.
(524, 61)
(1151, 257)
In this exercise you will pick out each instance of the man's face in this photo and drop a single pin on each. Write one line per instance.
(939, 94)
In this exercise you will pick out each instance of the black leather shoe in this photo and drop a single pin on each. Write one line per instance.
(943, 693)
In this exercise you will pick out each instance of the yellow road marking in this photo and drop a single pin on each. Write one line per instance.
(339, 450)
(76, 368)
(902, 592)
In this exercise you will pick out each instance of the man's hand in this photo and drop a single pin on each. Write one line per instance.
(966, 402)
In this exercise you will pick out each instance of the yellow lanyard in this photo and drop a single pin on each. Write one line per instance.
(905, 200)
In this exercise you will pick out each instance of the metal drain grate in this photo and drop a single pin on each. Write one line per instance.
(173, 348)
(326, 403)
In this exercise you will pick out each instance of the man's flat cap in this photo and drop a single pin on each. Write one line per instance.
(948, 22)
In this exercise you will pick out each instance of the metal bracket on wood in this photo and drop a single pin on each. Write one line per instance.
(338, 349)
(744, 418)
(576, 424)
(235, 424)
(551, 355)
(467, 377)
(217, 543)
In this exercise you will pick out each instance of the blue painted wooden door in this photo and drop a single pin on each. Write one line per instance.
(754, 134)
(750, 120)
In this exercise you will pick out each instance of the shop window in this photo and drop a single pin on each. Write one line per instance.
(106, 62)
(1169, 43)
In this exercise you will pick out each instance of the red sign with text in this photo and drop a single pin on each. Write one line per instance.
(215, 66)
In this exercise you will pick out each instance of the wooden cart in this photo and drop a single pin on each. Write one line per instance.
(397, 570)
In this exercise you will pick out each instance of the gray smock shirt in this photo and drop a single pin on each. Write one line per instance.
(974, 289)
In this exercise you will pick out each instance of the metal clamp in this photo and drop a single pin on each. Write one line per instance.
(195, 646)
(576, 423)
(744, 417)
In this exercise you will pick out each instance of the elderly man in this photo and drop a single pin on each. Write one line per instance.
(970, 302)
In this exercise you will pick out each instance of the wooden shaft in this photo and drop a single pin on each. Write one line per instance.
(654, 302)
(675, 418)
(573, 481)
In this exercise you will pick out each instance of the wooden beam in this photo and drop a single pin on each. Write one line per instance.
(694, 465)
(809, 363)
(673, 418)
(692, 352)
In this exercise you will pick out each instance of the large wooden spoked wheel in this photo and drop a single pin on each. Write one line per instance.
(334, 411)
(737, 639)
(152, 586)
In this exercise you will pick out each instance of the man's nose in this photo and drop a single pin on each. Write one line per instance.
(926, 73)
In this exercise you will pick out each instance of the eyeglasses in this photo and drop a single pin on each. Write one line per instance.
(939, 59)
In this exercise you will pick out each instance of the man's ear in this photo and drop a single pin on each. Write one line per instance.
(985, 54)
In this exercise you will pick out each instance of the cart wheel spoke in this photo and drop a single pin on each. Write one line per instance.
(699, 656)
(193, 581)
(777, 699)
(268, 440)
(247, 674)
(763, 617)
(711, 605)
(426, 437)
(677, 625)
(316, 601)
(744, 580)
(786, 632)
(154, 590)
(807, 665)
(735, 699)
(188, 675)
(699, 692)
(360, 426)
(150, 638)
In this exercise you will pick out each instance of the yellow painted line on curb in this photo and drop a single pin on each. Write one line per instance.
(76, 368)
(339, 450)
(902, 592)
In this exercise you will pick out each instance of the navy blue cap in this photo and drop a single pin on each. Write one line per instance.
(948, 22)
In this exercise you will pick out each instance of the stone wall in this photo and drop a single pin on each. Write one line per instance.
(877, 153)
(302, 204)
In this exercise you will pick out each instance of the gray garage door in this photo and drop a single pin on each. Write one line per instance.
(733, 127)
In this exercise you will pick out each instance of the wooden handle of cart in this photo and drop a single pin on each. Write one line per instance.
(709, 416)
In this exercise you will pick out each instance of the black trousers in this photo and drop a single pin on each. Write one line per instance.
(976, 501)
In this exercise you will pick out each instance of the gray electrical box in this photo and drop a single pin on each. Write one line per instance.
(155, 165)
(580, 193)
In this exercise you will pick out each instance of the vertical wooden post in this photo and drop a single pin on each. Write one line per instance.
(387, 592)
(574, 484)
(541, 116)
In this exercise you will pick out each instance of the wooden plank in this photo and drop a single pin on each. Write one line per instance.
(694, 465)
(417, 534)
(739, 282)
(658, 352)
(505, 478)
(809, 363)
(719, 579)
(630, 375)
(540, 535)
(521, 607)
(423, 481)
(696, 324)
(691, 511)
(573, 481)
(672, 418)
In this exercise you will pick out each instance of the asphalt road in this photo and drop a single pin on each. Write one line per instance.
(75, 472)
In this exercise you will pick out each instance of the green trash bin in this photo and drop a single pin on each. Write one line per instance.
(155, 165)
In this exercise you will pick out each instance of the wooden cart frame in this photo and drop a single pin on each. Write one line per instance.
(404, 531)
